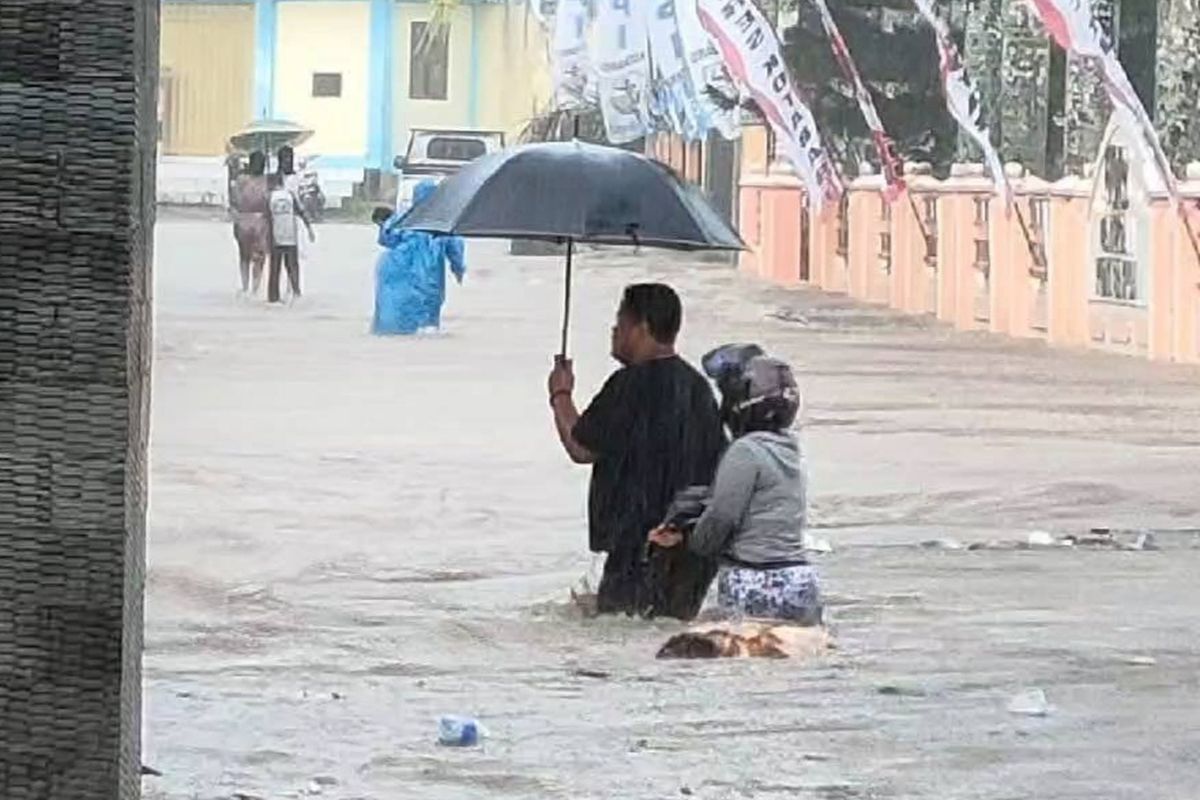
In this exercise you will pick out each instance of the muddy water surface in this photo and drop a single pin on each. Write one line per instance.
(351, 536)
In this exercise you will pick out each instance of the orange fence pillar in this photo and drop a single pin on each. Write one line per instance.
(823, 262)
(912, 269)
(781, 228)
(750, 227)
(1069, 285)
(863, 255)
(964, 248)
(1185, 281)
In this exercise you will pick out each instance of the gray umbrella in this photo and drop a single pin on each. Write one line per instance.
(573, 192)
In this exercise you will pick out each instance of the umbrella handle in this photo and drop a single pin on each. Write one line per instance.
(566, 325)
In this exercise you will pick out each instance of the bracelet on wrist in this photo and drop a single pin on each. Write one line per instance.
(560, 393)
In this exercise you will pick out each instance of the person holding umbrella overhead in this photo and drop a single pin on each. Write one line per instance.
(653, 430)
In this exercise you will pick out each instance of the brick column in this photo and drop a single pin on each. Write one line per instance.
(76, 218)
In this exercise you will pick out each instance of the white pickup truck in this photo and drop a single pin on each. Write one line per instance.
(434, 154)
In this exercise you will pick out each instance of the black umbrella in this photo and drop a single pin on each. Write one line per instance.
(573, 192)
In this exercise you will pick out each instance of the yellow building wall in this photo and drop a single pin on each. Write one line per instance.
(453, 112)
(514, 73)
(512, 70)
(207, 70)
(324, 36)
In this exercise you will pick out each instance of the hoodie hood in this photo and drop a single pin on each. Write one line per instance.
(781, 449)
(423, 190)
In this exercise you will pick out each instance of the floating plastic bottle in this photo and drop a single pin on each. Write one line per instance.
(454, 731)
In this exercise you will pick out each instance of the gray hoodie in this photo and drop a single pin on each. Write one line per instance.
(758, 509)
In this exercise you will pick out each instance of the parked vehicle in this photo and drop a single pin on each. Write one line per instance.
(434, 154)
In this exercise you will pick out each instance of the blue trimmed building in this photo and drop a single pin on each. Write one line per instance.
(348, 69)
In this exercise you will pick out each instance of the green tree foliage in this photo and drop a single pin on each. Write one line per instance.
(897, 57)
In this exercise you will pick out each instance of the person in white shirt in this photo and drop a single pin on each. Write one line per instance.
(285, 237)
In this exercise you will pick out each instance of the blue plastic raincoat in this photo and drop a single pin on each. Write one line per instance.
(410, 278)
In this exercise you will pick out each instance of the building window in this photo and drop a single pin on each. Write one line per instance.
(327, 84)
(429, 62)
(1116, 264)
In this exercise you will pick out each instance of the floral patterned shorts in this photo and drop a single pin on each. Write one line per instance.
(787, 593)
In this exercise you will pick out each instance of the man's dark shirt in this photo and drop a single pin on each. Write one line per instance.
(654, 429)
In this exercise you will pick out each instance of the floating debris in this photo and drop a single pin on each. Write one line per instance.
(1041, 539)
(943, 544)
(1141, 661)
(596, 674)
(1030, 703)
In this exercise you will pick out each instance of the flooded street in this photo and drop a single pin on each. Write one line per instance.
(350, 536)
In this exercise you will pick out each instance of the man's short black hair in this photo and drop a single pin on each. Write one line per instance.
(657, 305)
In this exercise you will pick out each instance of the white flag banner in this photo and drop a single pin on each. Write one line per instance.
(707, 71)
(1073, 26)
(622, 69)
(572, 73)
(962, 97)
(890, 163)
(672, 98)
(751, 52)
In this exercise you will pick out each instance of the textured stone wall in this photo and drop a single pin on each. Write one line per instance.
(77, 141)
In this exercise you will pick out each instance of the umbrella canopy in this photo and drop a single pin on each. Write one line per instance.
(574, 192)
(268, 135)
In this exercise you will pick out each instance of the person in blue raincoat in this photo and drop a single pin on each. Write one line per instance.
(410, 278)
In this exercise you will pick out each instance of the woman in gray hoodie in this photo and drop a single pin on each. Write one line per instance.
(754, 515)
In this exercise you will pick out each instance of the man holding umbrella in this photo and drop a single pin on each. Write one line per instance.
(653, 430)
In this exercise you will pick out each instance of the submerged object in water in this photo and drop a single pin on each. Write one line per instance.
(754, 641)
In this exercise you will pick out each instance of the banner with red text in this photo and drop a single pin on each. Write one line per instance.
(752, 55)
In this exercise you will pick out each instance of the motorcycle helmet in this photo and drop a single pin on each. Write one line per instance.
(724, 367)
(758, 393)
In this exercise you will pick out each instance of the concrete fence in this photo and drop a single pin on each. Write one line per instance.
(1105, 262)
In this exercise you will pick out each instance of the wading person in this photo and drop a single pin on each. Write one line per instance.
(285, 238)
(251, 220)
(653, 430)
(410, 277)
(754, 516)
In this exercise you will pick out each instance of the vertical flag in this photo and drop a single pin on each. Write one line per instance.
(1071, 24)
(962, 97)
(889, 162)
(673, 100)
(706, 70)
(572, 73)
(751, 51)
(622, 69)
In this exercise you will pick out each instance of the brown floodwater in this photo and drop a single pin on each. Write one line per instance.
(351, 536)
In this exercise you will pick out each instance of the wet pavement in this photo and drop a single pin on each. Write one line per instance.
(351, 536)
